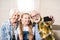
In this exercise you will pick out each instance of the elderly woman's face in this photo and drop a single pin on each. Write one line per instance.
(15, 17)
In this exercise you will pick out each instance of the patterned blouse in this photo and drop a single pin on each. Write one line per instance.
(45, 31)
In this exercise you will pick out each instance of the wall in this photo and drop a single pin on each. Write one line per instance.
(48, 7)
(51, 7)
(45, 7)
(5, 6)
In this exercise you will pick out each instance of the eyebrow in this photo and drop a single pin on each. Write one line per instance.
(36, 14)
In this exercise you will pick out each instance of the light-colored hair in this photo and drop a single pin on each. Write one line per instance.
(12, 11)
(21, 27)
(34, 12)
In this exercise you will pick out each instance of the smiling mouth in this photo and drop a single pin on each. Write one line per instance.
(36, 19)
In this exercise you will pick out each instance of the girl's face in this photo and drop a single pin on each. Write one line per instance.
(25, 19)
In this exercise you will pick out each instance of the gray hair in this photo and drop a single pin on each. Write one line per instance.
(13, 11)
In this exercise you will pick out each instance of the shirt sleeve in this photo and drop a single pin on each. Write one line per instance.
(3, 32)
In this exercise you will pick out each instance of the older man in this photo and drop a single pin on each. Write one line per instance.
(9, 28)
(42, 29)
(35, 19)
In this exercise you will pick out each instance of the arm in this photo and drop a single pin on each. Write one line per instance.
(3, 32)
(31, 35)
(20, 36)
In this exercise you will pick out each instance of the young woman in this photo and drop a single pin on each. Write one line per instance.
(25, 27)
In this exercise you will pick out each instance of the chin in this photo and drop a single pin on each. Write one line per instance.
(26, 23)
(36, 21)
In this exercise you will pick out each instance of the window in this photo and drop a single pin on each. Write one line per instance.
(25, 5)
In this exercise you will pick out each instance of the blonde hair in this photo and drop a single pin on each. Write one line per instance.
(12, 11)
(21, 27)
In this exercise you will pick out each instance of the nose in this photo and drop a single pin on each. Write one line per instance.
(28, 20)
(17, 17)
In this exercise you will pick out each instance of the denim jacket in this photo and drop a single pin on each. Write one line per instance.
(6, 31)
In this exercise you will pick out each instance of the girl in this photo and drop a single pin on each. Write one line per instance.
(25, 27)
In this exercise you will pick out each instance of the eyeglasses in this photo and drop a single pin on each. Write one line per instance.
(37, 15)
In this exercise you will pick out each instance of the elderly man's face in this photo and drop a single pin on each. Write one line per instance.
(15, 17)
(36, 17)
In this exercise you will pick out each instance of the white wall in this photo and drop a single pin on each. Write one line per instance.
(49, 7)
(37, 5)
(5, 6)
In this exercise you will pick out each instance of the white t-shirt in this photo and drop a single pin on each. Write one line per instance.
(26, 29)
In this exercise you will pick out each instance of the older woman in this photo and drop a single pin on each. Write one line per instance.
(9, 28)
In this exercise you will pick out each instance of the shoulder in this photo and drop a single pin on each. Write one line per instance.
(4, 24)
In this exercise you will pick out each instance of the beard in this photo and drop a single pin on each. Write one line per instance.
(37, 20)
